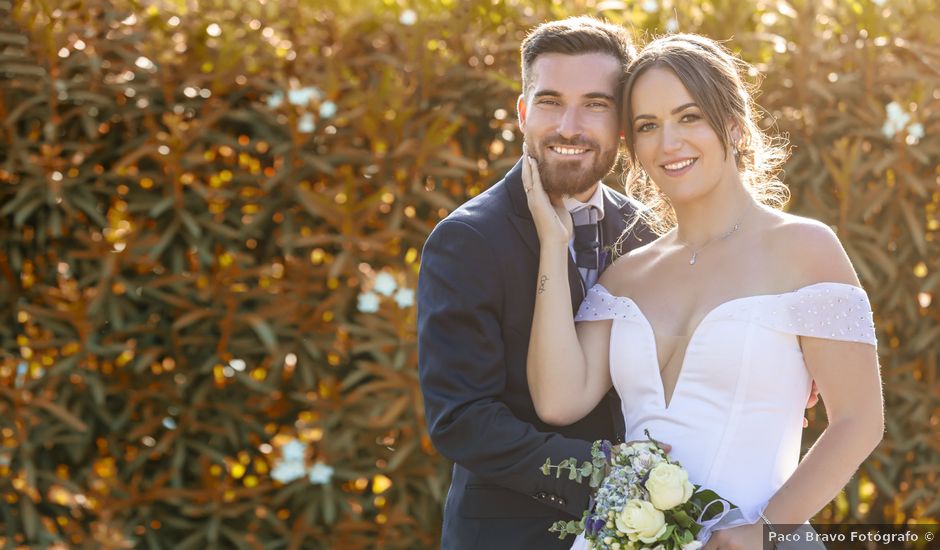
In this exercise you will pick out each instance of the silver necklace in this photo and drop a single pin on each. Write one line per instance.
(721, 237)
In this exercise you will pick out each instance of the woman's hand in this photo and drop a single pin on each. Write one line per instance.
(743, 537)
(552, 222)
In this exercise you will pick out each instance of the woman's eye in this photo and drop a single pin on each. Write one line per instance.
(645, 127)
(691, 117)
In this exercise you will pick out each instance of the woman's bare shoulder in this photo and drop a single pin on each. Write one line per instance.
(810, 248)
(631, 266)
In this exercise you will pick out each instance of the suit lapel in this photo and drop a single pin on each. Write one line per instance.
(616, 211)
(575, 284)
(521, 219)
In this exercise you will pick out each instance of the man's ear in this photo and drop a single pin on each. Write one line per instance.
(520, 111)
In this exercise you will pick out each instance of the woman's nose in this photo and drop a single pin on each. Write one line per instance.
(671, 137)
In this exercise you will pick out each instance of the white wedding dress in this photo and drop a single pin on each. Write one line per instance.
(736, 415)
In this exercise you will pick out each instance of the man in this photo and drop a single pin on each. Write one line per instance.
(477, 288)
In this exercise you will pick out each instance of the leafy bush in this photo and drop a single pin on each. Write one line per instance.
(212, 224)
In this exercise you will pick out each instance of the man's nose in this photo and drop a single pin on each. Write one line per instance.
(570, 124)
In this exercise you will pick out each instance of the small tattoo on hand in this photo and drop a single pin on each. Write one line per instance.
(542, 281)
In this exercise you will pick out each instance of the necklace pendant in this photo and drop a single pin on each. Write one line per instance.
(692, 259)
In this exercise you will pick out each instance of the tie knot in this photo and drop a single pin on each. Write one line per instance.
(586, 237)
(584, 215)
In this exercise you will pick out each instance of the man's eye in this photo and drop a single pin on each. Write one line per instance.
(597, 105)
(547, 102)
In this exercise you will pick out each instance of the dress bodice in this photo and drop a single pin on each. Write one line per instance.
(735, 417)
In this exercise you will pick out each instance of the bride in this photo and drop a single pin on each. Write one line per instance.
(714, 333)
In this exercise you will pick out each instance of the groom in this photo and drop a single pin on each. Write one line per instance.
(477, 288)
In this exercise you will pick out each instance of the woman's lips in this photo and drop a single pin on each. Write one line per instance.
(679, 168)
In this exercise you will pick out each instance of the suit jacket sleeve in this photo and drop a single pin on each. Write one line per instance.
(462, 369)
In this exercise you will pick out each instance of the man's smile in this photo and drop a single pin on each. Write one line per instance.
(568, 151)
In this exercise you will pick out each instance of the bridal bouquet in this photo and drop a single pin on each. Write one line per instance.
(642, 499)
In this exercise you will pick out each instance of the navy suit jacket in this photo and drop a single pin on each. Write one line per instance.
(476, 295)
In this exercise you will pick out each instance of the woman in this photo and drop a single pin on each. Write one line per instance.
(713, 333)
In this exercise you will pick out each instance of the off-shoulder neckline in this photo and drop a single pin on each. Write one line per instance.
(847, 286)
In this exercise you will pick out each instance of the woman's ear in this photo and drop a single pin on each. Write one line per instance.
(736, 134)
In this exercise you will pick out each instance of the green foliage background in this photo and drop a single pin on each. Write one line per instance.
(190, 253)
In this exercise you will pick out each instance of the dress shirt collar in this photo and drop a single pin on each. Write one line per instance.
(597, 201)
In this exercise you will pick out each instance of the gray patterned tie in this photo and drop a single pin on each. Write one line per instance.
(587, 244)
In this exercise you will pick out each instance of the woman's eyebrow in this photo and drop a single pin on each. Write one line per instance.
(684, 106)
(678, 109)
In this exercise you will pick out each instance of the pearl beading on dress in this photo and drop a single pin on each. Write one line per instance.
(834, 311)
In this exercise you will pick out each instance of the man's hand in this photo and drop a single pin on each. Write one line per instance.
(811, 402)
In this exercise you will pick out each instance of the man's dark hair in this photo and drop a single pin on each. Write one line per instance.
(575, 36)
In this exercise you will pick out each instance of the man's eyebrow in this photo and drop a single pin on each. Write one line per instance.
(599, 95)
(678, 109)
(589, 95)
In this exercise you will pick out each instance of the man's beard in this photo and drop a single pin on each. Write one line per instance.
(567, 177)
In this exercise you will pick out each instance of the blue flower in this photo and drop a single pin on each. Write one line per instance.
(294, 451)
(320, 474)
(385, 284)
(368, 302)
(597, 524)
(405, 297)
(327, 109)
(303, 96)
(276, 99)
(589, 526)
(408, 17)
(288, 471)
(896, 119)
(605, 448)
(306, 125)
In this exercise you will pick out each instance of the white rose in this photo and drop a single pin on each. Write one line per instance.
(641, 520)
(669, 486)
(694, 545)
